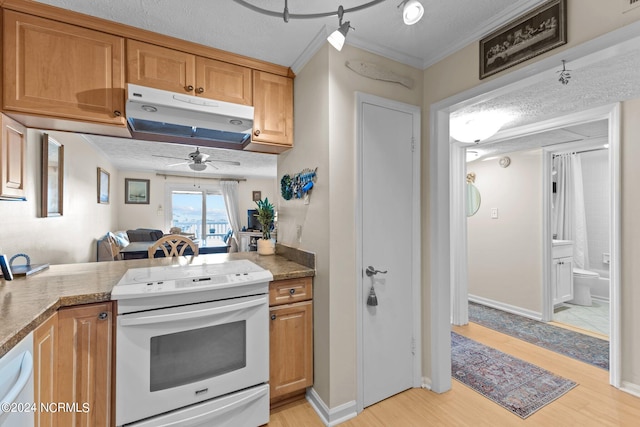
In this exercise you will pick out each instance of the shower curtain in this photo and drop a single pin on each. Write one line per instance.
(569, 219)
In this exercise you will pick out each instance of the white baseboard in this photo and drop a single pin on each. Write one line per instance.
(331, 416)
(506, 307)
(426, 383)
(630, 388)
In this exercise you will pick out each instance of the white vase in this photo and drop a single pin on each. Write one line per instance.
(266, 247)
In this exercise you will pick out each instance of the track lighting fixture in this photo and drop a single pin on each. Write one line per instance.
(338, 37)
(412, 12)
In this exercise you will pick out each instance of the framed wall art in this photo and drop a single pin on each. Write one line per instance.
(136, 191)
(104, 184)
(52, 177)
(538, 31)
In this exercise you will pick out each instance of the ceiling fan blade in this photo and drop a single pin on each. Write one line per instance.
(178, 164)
(169, 157)
(209, 164)
(228, 162)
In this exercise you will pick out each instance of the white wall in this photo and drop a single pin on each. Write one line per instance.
(596, 182)
(71, 237)
(505, 254)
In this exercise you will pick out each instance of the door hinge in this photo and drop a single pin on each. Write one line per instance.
(413, 346)
(413, 144)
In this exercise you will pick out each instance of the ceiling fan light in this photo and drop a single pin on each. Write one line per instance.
(412, 12)
(198, 167)
(338, 37)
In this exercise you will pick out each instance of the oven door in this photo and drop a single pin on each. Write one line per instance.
(174, 357)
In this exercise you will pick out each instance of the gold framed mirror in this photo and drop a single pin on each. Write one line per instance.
(52, 176)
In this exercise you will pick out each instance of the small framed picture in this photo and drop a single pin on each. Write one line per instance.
(136, 191)
(257, 196)
(104, 183)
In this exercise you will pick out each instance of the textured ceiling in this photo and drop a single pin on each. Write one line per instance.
(134, 155)
(446, 27)
(226, 25)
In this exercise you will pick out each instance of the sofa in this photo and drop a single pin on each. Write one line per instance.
(144, 235)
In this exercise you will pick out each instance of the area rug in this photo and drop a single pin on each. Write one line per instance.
(514, 384)
(585, 348)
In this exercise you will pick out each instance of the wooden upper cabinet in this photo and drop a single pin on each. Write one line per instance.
(223, 81)
(160, 67)
(13, 159)
(60, 70)
(273, 115)
(168, 69)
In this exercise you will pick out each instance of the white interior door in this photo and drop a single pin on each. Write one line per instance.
(388, 237)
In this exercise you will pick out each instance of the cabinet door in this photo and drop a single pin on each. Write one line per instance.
(564, 285)
(13, 159)
(85, 363)
(44, 373)
(160, 67)
(223, 81)
(273, 115)
(63, 71)
(291, 349)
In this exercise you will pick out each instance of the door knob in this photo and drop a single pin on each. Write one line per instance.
(370, 271)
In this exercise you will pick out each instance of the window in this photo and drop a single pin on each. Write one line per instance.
(200, 212)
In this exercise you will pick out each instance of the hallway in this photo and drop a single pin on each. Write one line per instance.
(592, 403)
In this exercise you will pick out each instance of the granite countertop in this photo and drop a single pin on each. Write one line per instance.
(26, 302)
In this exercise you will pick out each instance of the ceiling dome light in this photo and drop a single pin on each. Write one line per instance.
(198, 167)
(476, 128)
(412, 12)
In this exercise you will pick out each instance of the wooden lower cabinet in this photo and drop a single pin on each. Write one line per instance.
(291, 342)
(74, 350)
(45, 360)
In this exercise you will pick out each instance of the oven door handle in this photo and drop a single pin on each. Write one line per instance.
(189, 315)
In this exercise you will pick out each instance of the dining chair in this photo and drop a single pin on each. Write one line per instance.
(115, 249)
(173, 245)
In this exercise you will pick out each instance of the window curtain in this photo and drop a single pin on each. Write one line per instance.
(230, 194)
(569, 218)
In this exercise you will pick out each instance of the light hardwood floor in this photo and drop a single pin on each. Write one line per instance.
(592, 403)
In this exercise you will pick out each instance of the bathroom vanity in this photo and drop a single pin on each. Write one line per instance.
(562, 271)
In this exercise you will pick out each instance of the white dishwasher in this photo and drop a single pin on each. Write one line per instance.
(16, 385)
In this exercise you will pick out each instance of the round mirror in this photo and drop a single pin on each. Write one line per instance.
(473, 199)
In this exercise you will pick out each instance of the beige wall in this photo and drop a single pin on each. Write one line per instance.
(630, 292)
(325, 137)
(71, 237)
(505, 254)
(153, 215)
(587, 19)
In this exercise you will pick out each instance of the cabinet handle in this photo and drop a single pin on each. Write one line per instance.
(103, 315)
(257, 132)
(188, 88)
(117, 113)
(292, 291)
(200, 90)
(273, 317)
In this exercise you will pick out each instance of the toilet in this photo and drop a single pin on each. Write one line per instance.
(583, 280)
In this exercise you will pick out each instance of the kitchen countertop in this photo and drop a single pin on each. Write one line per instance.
(27, 301)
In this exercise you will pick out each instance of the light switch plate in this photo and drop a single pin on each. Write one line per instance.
(494, 213)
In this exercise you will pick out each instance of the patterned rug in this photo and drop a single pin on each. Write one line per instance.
(585, 348)
(514, 384)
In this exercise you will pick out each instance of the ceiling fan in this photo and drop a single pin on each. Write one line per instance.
(198, 161)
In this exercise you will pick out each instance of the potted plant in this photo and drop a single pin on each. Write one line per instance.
(265, 215)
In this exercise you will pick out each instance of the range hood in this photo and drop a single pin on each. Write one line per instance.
(174, 117)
